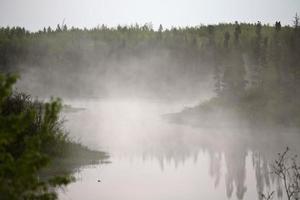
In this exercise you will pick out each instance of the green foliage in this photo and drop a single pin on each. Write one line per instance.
(30, 136)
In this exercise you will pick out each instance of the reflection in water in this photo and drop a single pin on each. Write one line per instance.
(263, 175)
(236, 172)
(215, 166)
(135, 130)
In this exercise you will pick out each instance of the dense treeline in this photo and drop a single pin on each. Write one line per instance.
(254, 64)
(257, 77)
(260, 74)
(101, 60)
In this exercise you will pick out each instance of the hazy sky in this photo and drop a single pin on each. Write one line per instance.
(35, 14)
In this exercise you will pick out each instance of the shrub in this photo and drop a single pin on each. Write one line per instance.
(30, 136)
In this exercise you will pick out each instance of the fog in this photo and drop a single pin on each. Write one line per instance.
(158, 158)
(87, 67)
(184, 113)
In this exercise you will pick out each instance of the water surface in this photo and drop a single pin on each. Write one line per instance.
(154, 159)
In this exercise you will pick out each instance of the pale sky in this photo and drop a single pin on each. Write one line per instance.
(35, 14)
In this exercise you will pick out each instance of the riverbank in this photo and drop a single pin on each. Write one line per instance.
(249, 110)
(36, 153)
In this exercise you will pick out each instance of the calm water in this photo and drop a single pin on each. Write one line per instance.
(153, 159)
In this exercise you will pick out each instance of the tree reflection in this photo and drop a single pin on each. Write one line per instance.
(228, 149)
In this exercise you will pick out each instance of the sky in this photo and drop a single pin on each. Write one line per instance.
(36, 14)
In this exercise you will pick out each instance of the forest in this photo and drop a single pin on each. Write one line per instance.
(256, 74)
(253, 69)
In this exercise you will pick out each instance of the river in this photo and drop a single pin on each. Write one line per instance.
(154, 159)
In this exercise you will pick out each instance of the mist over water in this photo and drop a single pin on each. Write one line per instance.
(154, 159)
(149, 100)
(184, 113)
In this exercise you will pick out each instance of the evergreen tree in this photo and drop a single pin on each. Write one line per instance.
(234, 75)
(49, 30)
(296, 21)
(65, 28)
(278, 26)
(160, 30)
(226, 39)
(58, 29)
(256, 67)
(237, 33)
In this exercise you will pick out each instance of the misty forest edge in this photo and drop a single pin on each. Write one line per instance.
(255, 67)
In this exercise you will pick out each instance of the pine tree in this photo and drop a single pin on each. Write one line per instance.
(237, 32)
(296, 21)
(233, 81)
(226, 39)
(278, 26)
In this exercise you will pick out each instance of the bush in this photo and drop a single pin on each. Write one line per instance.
(30, 136)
